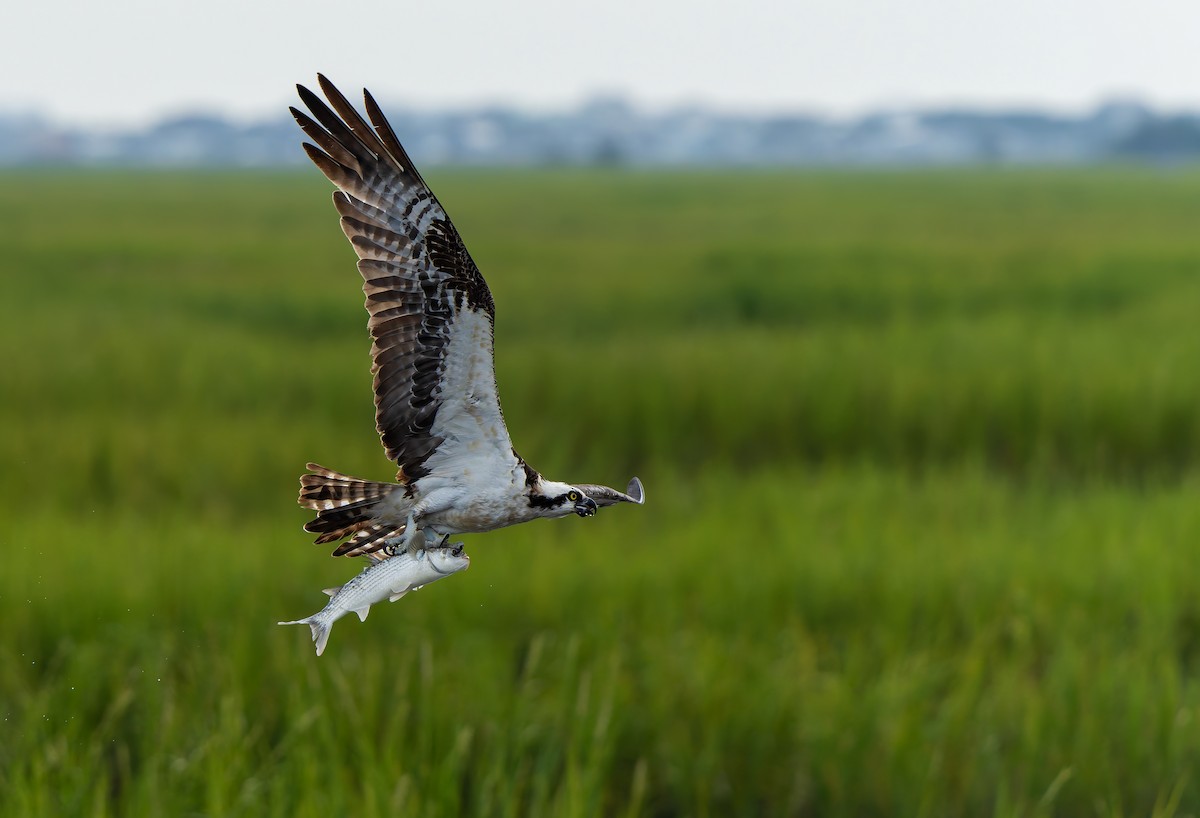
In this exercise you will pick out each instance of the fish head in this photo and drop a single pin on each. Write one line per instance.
(448, 559)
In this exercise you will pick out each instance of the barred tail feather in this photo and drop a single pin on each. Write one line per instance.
(344, 507)
(368, 539)
(323, 489)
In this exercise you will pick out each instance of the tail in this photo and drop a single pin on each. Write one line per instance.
(320, 630)
(344, 509)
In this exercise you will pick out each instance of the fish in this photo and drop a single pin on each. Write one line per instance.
(388, 578)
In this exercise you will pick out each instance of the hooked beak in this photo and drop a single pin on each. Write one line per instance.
(586, 507)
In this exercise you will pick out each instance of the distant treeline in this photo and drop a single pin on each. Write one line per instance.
(610, 131)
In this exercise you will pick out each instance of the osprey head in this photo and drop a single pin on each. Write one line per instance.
(553, 499)
(584, 506)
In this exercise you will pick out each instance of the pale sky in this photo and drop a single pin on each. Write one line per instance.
(131, 61)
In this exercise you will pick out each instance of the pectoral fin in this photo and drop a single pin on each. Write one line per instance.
(399, 594)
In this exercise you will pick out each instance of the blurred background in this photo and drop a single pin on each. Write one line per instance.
(536, 83)
(892, 309)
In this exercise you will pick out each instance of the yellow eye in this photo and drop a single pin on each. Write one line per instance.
(573, 496)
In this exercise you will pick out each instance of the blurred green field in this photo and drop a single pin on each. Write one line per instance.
(921, 457)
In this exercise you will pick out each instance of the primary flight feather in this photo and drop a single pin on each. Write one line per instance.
(431, 316)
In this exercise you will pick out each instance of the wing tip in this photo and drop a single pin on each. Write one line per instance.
(636, 491)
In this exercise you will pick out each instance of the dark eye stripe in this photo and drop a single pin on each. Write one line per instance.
(537, 501)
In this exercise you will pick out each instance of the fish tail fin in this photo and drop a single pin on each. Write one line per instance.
(345, 508)
(320, 633)
(319, 627)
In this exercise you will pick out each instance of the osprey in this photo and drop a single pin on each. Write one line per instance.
(431, 318)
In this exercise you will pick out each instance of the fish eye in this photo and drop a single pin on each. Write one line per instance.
(573, 496)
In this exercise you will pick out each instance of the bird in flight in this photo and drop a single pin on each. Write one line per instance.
(431, 319)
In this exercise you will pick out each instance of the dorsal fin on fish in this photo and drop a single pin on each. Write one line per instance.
(331, 591)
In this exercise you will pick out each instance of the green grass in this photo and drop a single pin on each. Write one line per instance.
(921, 453)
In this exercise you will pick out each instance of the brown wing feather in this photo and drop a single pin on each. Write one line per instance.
(417, 274)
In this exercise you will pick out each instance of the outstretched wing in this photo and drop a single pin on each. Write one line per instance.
(431, 313)
(605, 496)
